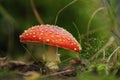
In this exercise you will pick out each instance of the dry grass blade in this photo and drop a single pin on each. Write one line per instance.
(113, 54)
(56, 18)
(77, 32)
(110, 41)
(33, 57)
(92, 16)
(107, 65)
(36, 13)
(115, 32)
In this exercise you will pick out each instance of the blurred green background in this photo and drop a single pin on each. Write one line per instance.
(91, 19)
(92, 23)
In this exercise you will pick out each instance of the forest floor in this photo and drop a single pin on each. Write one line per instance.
(18, 70)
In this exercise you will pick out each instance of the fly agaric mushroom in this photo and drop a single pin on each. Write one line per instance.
(54, 37)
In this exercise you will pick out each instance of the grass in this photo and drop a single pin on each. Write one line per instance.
(99, 52)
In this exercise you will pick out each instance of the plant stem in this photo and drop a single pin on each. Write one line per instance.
(52, 57)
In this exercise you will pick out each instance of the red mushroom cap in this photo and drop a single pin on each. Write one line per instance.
(50, 35)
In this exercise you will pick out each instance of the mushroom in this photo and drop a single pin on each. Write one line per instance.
(54, 37)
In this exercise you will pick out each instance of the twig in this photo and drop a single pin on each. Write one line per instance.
(37, 15)
(110, 41)
(57, 15)
(58, 73)
(44, 76)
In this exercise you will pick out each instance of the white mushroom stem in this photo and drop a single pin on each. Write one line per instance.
(52, 57)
